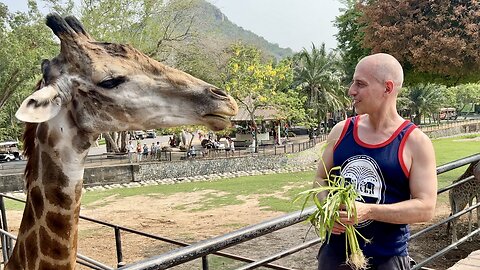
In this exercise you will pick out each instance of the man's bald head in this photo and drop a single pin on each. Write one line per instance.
(384, 67)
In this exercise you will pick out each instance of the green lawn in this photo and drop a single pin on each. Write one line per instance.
(450, 149)
(275, 192)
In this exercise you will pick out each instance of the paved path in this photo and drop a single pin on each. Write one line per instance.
(472, 262)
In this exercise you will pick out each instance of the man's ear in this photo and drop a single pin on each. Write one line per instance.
(40, 106)
(389, 87)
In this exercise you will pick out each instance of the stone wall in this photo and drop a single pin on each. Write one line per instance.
(195, 167)
(452, 131)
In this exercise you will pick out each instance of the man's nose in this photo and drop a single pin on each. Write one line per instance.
(351, 91)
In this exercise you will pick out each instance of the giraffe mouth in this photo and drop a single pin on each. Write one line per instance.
(216, 122)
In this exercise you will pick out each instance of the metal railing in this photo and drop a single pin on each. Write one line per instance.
(447, 124)
(213, 246)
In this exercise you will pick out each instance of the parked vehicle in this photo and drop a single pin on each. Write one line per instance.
(151, 133)
(6, 157)
(448, 114)
(9, 150)
(139, 134)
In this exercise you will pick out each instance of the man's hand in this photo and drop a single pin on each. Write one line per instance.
(363, 211)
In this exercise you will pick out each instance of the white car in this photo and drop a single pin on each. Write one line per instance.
(139, 134)
(6, 157)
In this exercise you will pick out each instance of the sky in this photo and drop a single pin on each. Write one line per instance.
(289, 23)
(295, 24)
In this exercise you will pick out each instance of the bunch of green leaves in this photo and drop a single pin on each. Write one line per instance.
(336, 194)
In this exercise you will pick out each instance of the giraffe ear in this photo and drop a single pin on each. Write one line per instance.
(41, 106)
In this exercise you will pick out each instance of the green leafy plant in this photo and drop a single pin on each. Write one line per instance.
(339, 195)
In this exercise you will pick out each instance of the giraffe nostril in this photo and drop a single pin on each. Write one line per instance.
(218, 92)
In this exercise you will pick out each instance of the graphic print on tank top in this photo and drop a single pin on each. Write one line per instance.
(364, 172)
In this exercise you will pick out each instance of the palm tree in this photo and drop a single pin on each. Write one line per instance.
(319, 76)
(424, 99)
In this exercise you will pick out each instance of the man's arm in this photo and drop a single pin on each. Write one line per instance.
(423, 188)
(326, 162)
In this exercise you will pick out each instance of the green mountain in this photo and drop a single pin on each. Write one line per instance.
(213, 24)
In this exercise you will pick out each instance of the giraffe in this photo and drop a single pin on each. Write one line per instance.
(89, 88)
(464, 194)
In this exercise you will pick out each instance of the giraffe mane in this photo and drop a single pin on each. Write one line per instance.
(29, 146)
(469, 171)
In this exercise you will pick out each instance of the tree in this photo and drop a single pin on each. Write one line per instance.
(424, 99)
(151, 26)
(24, 41)
(436, 41)
(463, 96)
(350, 37)
(255, 84)
(318, 76)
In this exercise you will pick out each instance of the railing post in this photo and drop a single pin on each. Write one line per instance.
(205, 263)
(7, 243)
(118, 244)
(3, 237)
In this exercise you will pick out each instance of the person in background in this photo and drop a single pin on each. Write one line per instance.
(131, 151)
(139, 152)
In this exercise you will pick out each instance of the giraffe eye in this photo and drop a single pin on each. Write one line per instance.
(112, 83)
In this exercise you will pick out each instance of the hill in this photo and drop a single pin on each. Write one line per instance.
(213, 24)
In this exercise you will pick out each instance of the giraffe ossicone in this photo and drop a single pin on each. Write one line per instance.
(93, 87)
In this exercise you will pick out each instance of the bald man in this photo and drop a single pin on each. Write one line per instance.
(390, 162)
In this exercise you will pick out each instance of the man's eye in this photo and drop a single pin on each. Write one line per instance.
(112, 83)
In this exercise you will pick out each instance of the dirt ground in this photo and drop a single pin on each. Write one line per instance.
(171, 217)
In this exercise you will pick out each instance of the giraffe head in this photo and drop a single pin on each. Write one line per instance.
(113, 87)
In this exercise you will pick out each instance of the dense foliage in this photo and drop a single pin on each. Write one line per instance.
(436, 41)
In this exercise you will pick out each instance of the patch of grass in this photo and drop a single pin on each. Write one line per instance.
(212, 201)
(217, 262)
(230, 189)
(454, 148)
(13, 205)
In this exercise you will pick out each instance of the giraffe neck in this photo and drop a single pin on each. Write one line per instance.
(47, 237)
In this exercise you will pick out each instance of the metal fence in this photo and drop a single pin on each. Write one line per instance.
(214, 245)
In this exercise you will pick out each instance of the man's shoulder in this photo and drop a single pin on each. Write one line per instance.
(418, 139)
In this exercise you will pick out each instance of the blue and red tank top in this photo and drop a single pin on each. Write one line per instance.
(380, 176)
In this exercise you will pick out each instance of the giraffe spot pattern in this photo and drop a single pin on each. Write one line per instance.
(53, 137)
(81, 142)
(52, 248)
(57, 197)
(52, 172)
(42, 132)
(78, 191)
(44, 265)
(59, 224)
(37, 201)
(28, 219)
(31, 250)
(22, 255)
(14, 261)
(53, 181)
